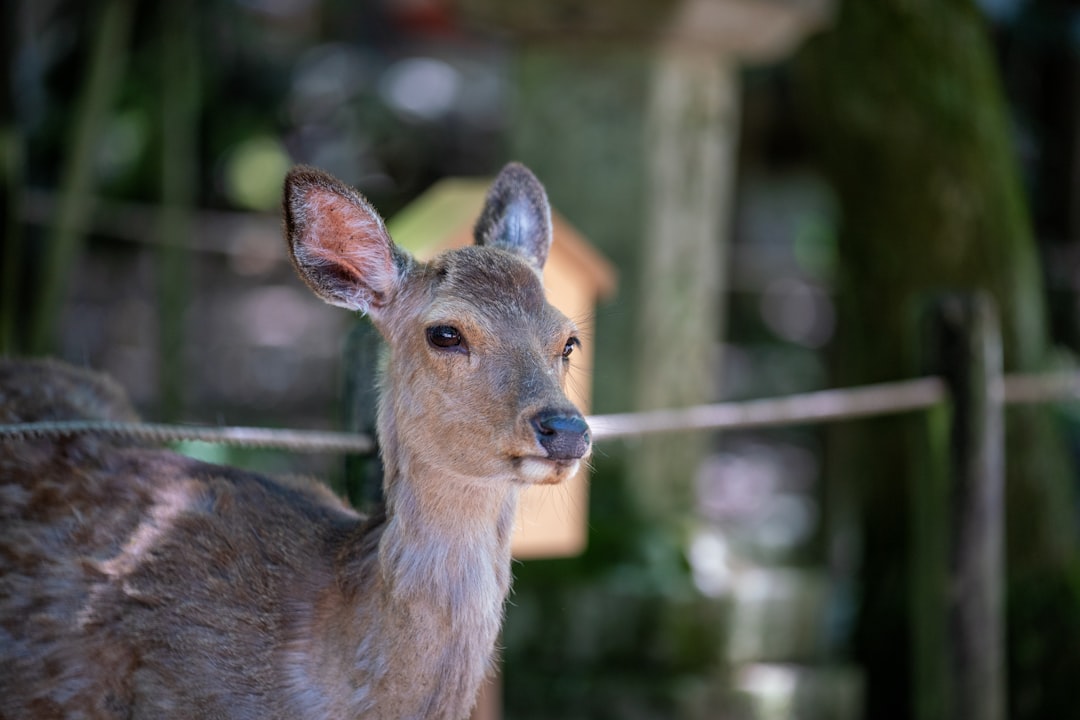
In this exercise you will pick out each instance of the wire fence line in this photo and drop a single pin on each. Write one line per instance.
(1023, 389)
(293, 440)
(805, 408)
(812, 407)
(828, 405)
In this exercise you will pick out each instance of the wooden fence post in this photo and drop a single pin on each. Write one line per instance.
(966, 347)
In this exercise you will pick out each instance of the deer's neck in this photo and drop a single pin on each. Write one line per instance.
(446, 536)
(444, 566)
(418, 599)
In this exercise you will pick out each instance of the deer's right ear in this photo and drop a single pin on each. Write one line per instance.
(338, 242)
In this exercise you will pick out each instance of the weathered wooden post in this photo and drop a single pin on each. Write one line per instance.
(959, 637)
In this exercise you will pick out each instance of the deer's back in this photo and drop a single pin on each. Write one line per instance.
(125, 572)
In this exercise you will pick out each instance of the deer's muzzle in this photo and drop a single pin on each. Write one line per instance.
(563, 435)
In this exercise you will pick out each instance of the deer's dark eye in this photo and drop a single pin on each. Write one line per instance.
(572, 343)
(445, 337)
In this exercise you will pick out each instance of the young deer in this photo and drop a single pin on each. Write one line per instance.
(139, 583)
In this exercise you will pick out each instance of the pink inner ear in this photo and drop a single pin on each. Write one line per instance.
(340, 234)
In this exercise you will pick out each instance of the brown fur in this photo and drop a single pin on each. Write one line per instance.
(136, 582)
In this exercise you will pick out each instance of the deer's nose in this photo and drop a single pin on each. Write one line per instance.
(564, 435)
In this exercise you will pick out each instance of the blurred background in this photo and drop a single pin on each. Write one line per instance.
(782, 185)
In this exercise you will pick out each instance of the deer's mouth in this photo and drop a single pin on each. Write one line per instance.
(538, 470)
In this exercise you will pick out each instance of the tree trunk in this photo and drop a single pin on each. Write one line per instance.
(911, 125)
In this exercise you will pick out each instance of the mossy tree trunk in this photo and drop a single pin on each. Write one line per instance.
(908, 115)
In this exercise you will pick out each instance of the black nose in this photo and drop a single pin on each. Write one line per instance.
(564, 435)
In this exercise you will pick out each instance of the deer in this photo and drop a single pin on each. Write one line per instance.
(140, 583)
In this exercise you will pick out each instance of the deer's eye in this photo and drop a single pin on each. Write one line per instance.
(445, 337)
(572, 343)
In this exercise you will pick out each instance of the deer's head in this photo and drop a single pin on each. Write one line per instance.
(475, 381)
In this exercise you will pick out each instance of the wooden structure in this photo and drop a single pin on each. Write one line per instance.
(551, 520)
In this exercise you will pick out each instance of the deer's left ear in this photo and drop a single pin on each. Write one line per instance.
(516, 216)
